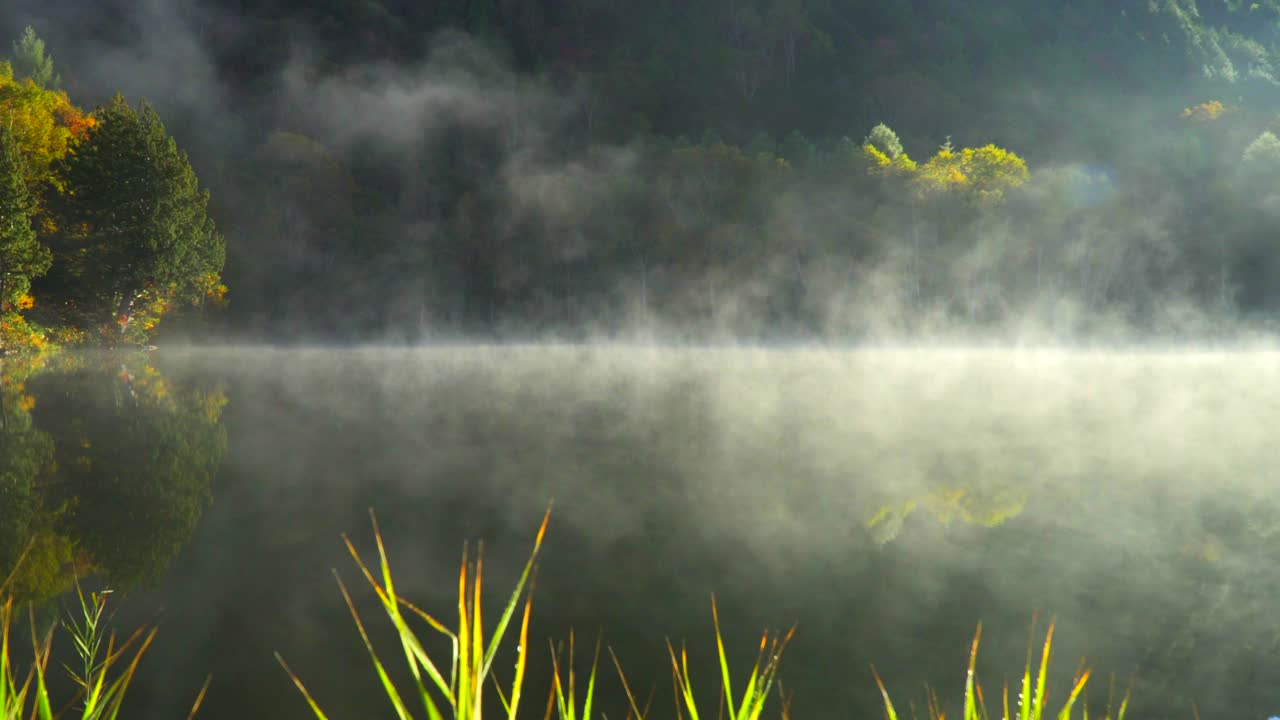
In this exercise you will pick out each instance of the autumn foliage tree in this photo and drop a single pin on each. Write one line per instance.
(43, 121)
(985, 172)
(22, 257)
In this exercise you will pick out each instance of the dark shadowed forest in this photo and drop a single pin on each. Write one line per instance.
(728, 168)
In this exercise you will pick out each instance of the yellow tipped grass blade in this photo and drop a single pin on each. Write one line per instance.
(315, 708)
(1040, 699)
(970, 710)
(511, 706)
(1024, 698)
(633, 707)
(1033, 700)
(409, 641)
(195, 707)
(415, 655)
(462, 651)
(724, 664)
(683, 683)
(888, 704)
(114, 697)
(525, 576)
(387, 685)
(477, 650)
(1065, 713)
(471, 659)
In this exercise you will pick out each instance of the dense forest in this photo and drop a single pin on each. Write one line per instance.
(728, 168)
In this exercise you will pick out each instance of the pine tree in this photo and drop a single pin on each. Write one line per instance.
(22, 257)
(135, 219)
(30, 61)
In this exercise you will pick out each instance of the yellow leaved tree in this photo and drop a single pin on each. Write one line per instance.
(985, 172)
(884, 154)
(44, 123)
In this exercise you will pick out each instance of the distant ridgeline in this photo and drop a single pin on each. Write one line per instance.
(105, 468)
(103, 226)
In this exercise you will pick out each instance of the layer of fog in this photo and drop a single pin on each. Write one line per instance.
(1129, 494)
(1055, 268)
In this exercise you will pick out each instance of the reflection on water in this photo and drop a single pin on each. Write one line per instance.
(885, 500)
(105, 468)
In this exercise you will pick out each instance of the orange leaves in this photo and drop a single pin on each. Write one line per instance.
(44, 123)
(76, 122)
(16, 335)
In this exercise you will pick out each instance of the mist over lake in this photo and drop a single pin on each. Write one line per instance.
(883, 500)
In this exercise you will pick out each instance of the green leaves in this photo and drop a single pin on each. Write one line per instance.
(134, 219)
(31, 62)
(22, 257)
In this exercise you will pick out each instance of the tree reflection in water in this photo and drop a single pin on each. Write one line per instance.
(105, 468)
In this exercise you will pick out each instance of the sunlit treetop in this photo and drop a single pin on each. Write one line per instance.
(985, 172)
(44, 122)
(31, 61)
(1205, 111)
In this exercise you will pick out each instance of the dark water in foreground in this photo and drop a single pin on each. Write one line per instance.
(884, 501)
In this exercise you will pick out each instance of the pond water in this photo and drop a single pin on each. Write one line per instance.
(884, 501)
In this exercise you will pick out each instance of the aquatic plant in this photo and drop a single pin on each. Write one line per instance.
(101, 687)
(460, 693)
(755, 695)
(472, 654)
(1029, 706)
(563, 695)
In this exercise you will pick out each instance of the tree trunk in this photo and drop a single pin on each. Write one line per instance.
(124, 314)
(4, 286)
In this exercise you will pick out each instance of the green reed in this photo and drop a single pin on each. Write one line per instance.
(458, 694)
(1033, 698)
(102, 676)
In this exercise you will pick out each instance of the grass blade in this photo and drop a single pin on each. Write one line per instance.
(888, 704)
(388, 686)
(195, 707)
(315, 708)
(1040, 700)
(970, 709)
(1065, 713)
(626, 687)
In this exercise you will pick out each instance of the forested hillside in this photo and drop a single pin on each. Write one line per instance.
(805, 168)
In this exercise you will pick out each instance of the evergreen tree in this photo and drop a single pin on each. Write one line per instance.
(135, 220)
(22, 257)
(30, 61)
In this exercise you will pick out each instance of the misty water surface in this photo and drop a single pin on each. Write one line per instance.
(885, 500)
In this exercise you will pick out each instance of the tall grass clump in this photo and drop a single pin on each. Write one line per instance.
(1029, 705)
(755, 693)
(102, 676)
(455, 690)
